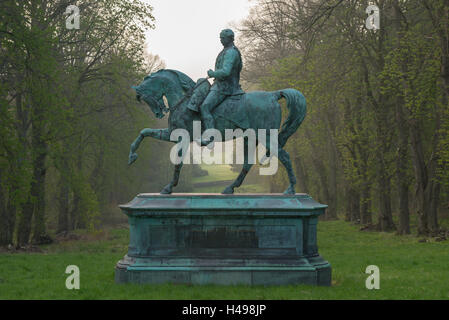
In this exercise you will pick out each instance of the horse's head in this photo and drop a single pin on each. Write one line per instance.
(172, 84)
(151, 90)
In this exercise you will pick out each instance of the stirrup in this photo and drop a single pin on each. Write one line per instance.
(203, 143)
(211, 144)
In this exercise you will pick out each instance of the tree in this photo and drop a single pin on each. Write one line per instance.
(64, 95)
(377, 117)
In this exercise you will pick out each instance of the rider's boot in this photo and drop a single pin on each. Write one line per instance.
(208, 124)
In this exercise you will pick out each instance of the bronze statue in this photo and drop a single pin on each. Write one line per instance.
(224, 101)
(228, 66)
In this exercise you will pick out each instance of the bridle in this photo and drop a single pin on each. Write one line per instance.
(159, 105)
(188, 94)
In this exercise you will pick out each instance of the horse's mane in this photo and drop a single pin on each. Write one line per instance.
(184, 80)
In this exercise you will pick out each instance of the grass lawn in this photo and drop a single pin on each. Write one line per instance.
(216, 173)
(223, 173)
(408, 270)
(244, 188)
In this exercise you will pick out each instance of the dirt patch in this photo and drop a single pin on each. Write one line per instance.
(91, 236)
(368, 227)
(24, 249)
(443, 235)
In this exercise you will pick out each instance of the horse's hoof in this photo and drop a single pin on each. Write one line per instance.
(228, 190)
(264, 158)
(167, 190)
(132, 158)
(290, 190)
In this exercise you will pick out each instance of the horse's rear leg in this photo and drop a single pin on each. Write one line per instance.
(285, 160)
(284, 157)
(246, 167)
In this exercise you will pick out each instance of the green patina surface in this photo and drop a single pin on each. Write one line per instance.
(222, 106)
(249, 239)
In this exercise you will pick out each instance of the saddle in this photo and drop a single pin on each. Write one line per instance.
(231, 109)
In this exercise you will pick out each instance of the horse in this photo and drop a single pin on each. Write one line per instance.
(263, 109)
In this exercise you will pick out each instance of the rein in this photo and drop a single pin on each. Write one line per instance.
(187, 95)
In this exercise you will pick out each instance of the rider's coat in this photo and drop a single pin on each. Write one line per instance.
(227, 71)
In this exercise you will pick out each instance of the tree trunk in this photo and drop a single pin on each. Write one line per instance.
(385, 218)
(404, 213)
(433, 212)
(10, 211)
(365, 201)
(422, 190)
(402, 154)
(320, 168)
(355, 215)
(332, 210)
(424, 183)
(24, 221)
(35, 204)
(24, 229)
(75, 213)
(298, 165)
(38, 188)
(365, 211)
(383, 134)
(4, 227)
(63, 167)
(401, 171)
(348, 204)
(63, 216)
(301, 174)
(352, 205)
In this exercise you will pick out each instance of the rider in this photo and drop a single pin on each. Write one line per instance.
(227, 76)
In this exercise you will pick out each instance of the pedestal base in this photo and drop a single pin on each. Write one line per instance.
(262, 239)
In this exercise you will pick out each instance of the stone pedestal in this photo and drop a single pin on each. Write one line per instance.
(251, 239)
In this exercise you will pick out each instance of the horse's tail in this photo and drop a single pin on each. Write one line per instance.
(296, 105)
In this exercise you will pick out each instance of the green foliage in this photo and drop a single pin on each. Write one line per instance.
(68, 114)
(377, 100)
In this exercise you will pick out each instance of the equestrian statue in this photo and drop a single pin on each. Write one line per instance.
(221, 106)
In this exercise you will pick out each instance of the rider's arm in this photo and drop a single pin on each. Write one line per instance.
(229, 59)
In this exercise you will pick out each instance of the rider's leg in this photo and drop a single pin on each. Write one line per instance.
(213, 99)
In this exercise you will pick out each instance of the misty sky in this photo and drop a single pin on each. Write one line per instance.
(187, 32)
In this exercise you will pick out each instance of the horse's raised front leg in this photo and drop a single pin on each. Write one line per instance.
(161, 134)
